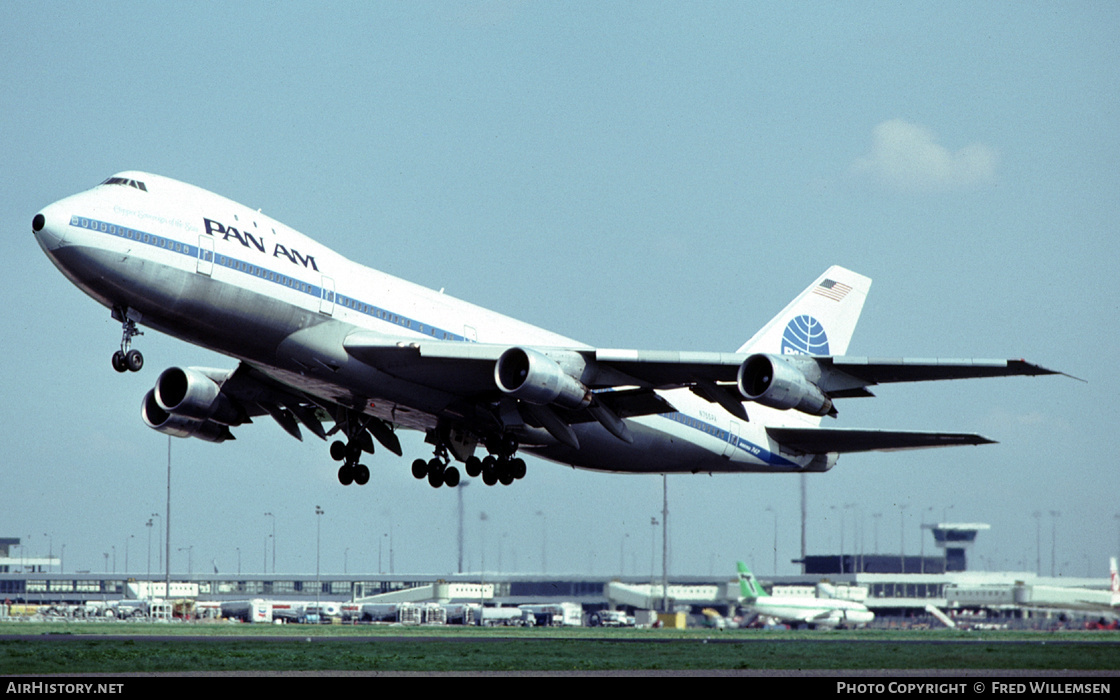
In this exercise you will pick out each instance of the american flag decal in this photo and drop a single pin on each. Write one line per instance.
(832, 289)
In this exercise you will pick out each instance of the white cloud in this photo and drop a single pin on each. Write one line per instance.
(907, 157)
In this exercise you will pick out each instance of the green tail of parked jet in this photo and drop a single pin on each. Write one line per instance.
(800, 609)
(749, 587)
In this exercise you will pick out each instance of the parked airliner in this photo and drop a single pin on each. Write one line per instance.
(320, 338)
(804, 610)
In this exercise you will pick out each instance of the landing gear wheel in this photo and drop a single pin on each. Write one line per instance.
(474, 466)
(435, 478)
(127, 359)
(451, 477)
(419, 469)
(489, 472)
(361, 475)
(346, 475)
(134, 360)
(338, 450)
(517, 468)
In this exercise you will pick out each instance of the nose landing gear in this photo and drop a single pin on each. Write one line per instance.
(126, 359)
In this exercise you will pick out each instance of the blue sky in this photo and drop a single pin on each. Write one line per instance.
(650, 175)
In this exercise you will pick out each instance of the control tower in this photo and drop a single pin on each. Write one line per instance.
(955, 539)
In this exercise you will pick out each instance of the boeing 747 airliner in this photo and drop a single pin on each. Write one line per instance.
(320, 338)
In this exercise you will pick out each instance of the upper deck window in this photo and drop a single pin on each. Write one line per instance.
(125, 181)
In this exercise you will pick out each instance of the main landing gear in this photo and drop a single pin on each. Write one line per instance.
(437, 469)
(350, 452)
(351, 472)
(126, 359)
(500, 466)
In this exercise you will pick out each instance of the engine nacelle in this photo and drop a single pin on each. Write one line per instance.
(772, 381)
(821, 462)
(180, 426)
(190, 393)
(537, 379)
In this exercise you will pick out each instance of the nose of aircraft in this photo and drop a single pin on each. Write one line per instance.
(48, 229)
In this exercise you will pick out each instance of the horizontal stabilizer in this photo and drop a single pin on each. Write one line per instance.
(823, 440)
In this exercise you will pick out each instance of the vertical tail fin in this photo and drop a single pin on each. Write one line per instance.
(1114, 580)
(748, 584)
(820, 321)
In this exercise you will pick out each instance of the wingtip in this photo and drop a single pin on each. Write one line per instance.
(1038, 370)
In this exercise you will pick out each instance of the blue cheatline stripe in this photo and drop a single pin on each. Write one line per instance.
(373, 311)
(725, 436)
(193, 251)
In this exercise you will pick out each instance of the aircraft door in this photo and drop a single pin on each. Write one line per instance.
(732, 439)
(205, 256)
(326, 296)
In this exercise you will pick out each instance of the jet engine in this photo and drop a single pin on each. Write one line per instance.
(192, 393)
(773, 381)
(180, 426)
(189, 403)
(537, 379)
(821, 462)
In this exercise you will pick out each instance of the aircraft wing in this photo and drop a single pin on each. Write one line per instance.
(469, 367)
(821, 440)
(869, 371)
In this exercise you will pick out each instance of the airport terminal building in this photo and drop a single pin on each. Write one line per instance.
(894, 587)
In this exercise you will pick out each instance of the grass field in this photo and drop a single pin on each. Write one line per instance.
(48, 648)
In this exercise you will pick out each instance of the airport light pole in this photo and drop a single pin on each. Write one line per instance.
(167, 533)
(775, 512)
(149, 526)
(189, 549)
(1037, 515)
(622, 554)
(1053, 539)
(922, 536)
(159, 536)
(544, 541)
(318, 583)
(902, 536)
(459, 492)
(804, 519)
(841, 511)
(482, 518)
(665, 543)
(270, 515)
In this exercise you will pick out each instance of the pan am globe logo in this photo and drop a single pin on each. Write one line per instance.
(804, 336)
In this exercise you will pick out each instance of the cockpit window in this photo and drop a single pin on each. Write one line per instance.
(125, 181)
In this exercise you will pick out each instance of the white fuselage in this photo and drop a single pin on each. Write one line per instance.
(216, 273)
(815, 611)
